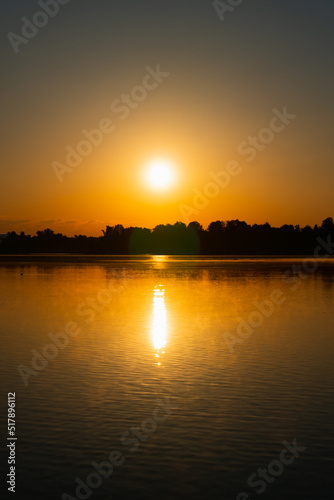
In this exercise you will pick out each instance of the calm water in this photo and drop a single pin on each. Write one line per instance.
(159, 333)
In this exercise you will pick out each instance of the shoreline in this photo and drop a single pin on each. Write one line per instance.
(86, 258)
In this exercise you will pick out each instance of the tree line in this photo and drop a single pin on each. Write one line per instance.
(231, 237)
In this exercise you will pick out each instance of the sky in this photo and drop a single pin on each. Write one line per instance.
(198, 86)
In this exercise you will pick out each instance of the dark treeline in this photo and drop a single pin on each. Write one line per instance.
(232, 237)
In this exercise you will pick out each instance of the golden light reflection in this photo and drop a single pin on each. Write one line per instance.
(159, 326)
(159, 261)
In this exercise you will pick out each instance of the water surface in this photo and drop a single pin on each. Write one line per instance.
(164, 329)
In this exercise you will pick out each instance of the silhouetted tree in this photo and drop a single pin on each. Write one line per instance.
(221, 238)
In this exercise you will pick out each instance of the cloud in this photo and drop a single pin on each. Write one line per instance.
(14, 221)
(85, 223)
(51, 221)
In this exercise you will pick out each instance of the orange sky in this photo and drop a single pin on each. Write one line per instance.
(224, 80)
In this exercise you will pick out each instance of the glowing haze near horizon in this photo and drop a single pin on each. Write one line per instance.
(225, 79)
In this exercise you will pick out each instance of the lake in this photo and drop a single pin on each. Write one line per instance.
(169, 377)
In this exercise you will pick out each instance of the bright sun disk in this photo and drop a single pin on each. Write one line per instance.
(159, 174)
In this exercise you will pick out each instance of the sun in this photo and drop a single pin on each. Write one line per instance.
(160, 174)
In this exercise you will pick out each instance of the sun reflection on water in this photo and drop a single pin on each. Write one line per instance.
(159, 326)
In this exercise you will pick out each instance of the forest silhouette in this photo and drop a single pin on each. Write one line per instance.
(231, 237)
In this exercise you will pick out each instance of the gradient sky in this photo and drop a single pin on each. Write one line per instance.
(225, 79)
